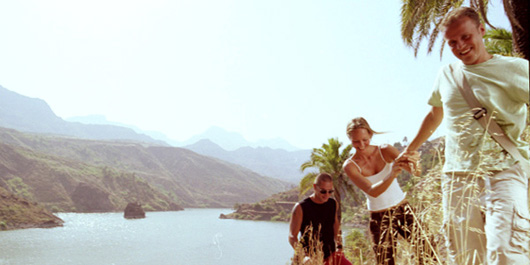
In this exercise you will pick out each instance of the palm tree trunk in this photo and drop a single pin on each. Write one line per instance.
(520, 22)
(338, 197)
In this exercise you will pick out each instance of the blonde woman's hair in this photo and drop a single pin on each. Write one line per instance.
(359, 123)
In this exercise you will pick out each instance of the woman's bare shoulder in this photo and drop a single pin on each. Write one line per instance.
(389, 152)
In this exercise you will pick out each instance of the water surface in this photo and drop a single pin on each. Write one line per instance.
(191, 237)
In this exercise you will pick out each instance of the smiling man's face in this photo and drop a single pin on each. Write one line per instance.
(464, 37)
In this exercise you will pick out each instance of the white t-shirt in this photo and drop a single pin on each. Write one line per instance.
(501, 86)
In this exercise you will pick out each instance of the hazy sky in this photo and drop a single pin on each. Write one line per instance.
(297, 70)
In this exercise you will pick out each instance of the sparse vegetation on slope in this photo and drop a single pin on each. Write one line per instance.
(66, 174)
(275, 208)
(17, 213)
(424, 193)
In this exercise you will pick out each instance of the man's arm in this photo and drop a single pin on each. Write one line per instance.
(430, 123)
(295, 225)
(336, 227)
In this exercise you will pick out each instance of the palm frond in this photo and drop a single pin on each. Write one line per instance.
(328, 158)
(499, 41)
(349, 188)
(306, 183)
(420, 20)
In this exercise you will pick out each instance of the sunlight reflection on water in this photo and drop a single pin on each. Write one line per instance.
(193, 236)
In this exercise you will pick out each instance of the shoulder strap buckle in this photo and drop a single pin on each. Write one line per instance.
(480, 113)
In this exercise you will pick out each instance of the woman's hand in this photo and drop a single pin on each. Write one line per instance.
(410, 161)
(397, 167)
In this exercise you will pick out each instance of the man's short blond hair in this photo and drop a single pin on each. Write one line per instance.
(323, 177)
(458, 13)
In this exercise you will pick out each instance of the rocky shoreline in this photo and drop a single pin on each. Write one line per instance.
(19, 213)
(47, 224)
(275, 208)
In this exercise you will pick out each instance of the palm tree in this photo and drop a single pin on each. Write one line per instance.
(420, 20)
(329, 158)
(499, 41)
(518, 14)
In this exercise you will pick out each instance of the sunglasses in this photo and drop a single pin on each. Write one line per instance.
(323, 191)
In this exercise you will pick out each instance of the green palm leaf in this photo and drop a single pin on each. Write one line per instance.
(499, 41)
(329, 158)
(420, 20)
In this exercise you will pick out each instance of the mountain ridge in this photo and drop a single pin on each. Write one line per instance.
(170, 174)
(227, 140)
(51, 164)
(276, 163)
(232, 141)
(263, 158)
(35, 115)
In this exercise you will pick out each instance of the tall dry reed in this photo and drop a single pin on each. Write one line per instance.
(425, 196)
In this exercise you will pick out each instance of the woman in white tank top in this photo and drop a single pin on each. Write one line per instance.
(374, 170)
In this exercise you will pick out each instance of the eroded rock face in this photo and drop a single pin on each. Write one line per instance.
(134, 211)
(19, 213)
(90, 198)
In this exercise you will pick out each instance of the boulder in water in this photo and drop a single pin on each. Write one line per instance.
(134, 211)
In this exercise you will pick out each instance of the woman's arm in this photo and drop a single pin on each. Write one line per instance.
(405, 161)
(365, 185)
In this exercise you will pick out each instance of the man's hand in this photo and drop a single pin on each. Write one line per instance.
(339, 248)
(410, 161)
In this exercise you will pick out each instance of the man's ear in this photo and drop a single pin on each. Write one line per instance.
(482, 30)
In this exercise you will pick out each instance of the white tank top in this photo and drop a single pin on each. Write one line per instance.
(391, 196)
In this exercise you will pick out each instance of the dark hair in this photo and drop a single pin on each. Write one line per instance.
(323, 177)
(458, 13)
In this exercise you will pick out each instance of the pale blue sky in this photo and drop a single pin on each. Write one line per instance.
(297, 70)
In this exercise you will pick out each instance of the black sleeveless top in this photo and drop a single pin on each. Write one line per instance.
(320, 217)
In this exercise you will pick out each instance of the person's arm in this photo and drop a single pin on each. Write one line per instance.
(295, 225)
(365, 185)
(430, 123)
(336, 228)
(404, 161)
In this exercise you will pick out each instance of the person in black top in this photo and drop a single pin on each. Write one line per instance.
(316, 219)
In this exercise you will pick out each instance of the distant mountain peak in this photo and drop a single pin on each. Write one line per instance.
(205, 144)
(27, 114)
(91, 119)
(231, 141)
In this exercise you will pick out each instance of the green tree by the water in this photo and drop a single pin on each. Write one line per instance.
(328, 158)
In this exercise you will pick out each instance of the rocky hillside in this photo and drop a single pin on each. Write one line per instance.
(276, 163)
(62, 184)
(67, 174)
(278, 207)
(17, 213)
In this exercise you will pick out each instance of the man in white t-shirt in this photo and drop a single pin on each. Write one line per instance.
(485, 190)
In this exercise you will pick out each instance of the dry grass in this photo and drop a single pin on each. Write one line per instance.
(426, 198)
(314, 250)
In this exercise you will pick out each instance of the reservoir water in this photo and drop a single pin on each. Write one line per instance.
(190, 237)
